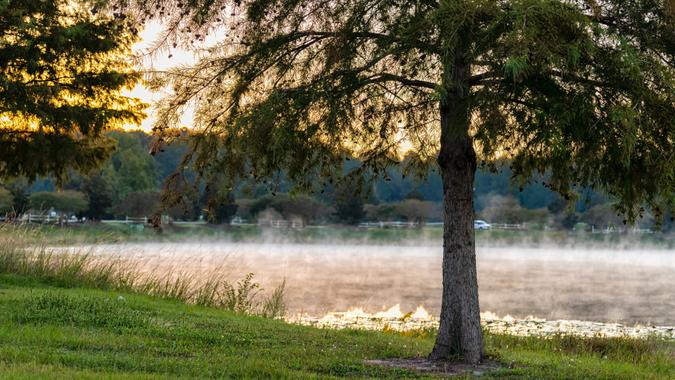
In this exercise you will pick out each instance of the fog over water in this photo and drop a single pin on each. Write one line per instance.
(605, 285)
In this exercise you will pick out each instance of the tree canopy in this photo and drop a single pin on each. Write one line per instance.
(6, 201)
(63, 66)
(130, 167)
(63, 201)
(580, 90)
(138, 204)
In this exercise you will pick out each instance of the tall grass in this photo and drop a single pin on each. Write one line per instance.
(22, 254)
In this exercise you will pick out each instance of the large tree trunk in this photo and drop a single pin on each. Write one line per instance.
(459, 335)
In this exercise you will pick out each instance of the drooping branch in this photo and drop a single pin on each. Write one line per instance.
(492, 77)
(387, 77)
(382, 37)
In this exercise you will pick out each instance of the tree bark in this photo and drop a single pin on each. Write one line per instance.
(459, 336)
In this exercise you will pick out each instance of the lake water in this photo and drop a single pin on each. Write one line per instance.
(628, 286)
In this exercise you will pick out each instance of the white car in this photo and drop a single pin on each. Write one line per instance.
(481, 225)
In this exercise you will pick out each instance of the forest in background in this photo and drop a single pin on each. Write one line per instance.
(130, 182)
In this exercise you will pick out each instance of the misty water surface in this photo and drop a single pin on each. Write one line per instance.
(629, 286)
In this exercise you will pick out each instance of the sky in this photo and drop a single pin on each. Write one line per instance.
(161, 61)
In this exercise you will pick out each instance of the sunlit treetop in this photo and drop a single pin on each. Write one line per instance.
(63, 66)
(581, 91)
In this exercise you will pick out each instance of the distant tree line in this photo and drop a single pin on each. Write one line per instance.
(130, 182)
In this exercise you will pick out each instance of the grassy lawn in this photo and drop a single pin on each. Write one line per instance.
(80, 333)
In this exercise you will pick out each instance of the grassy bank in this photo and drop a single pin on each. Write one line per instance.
(22, 256)
(120, 233)
(56, 332)
(71, 316)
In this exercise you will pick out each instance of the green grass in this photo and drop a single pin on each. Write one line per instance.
(82, 332)
(56, 332)
(118, 233)
(70, 316)
(24, 257)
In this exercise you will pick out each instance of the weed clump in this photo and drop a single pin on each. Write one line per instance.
(60, 308)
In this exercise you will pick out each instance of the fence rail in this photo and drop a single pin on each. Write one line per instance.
(134, 220)
(47, 219)
(402, 224)
(280, 223)
(128, 220)
(507, 226)
(36, 218)
(397, 224)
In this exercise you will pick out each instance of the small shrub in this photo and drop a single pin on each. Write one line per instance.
(241, 299)
(275, 305)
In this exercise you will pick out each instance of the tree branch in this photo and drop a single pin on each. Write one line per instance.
(387, 77)
(479, 79)
(369, 35)
(491, 77)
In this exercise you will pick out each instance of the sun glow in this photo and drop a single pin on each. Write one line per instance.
(420, 313)
(147, 62)
(392, 312)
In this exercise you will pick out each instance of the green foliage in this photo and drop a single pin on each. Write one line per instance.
(64, 201)
(6, 200)
(412, 210)
(100, 196)
(418, 211)
(291, 206)
(382, 212)
(602, 216)
(515, 68)
(349, 202)
(501, 209)
(241, 297)
(105, 190)
(20, 196)
(579, 92)
(138, 204)
(130, 168)
(220, 205)
(63, 70)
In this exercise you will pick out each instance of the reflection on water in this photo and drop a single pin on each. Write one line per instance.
(601, 285)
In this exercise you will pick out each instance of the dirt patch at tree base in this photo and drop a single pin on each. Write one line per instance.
(437, 367)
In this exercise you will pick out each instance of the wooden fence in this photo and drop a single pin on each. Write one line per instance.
(280, 223)
(507, 226)
(47, 219)
(396, 224)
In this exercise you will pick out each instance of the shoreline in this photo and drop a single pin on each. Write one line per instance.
(394, 320)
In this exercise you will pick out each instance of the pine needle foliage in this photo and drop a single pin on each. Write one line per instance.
(580, 90)
(63, 66)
